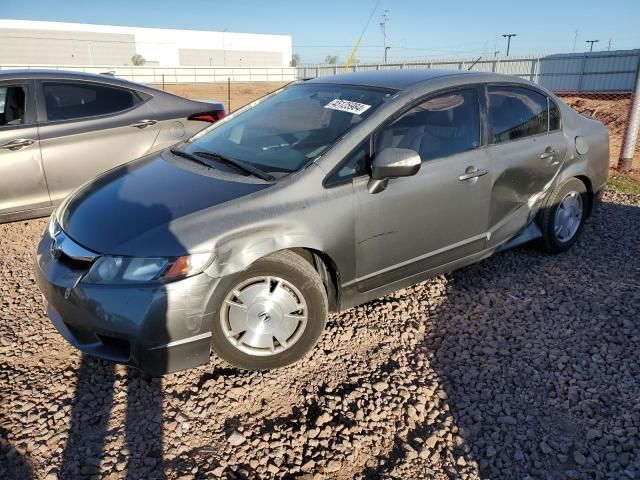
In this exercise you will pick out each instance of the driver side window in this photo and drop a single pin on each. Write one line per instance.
(443, 125)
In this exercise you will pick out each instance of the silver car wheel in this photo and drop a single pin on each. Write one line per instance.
(264, 315)
(568, 216)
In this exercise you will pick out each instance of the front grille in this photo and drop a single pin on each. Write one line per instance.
(70, 253)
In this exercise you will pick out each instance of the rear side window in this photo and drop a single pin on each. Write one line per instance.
(516, 112)
(69, 100)
(12, 105)
(441, 126)
(554, 116)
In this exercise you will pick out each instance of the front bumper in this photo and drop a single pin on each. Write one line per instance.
(155, 328)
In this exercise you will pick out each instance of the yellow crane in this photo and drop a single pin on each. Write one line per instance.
(352, 56)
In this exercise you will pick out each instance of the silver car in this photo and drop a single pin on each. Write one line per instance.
(317, 198)
(61, 129)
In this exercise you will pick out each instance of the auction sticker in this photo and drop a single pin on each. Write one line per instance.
(348, 106)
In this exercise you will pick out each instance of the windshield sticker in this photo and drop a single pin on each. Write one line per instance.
(348, 106)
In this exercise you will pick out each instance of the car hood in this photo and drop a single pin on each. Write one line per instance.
(142, 199)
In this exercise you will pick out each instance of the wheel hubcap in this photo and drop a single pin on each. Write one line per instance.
(264, 315)
(568, 216)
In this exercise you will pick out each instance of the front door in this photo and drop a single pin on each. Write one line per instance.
(22, 182)
(436, 216)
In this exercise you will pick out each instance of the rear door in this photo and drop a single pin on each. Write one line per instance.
(88, 128)
(527, 151)
(22, 181)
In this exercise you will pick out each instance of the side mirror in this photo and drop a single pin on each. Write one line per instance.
(391, 163)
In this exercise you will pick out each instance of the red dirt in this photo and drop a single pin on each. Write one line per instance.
(612, 110)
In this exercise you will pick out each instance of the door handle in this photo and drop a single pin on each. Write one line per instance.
(549, 153)
(18, 143)
(143, 123)
(469, 174)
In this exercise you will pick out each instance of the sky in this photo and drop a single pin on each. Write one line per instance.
(415, 28)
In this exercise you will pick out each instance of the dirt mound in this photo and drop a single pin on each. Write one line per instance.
(612, 110)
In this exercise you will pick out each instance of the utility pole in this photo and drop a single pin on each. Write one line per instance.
(383, 26)
(575, 39)
(508, 37)
(609, 45)
(591, 42)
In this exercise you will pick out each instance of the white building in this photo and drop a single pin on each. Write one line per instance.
(26, 42)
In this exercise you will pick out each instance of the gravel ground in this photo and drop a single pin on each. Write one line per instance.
(523, 366)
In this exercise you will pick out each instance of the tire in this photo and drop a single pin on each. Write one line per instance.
(269, 287)
(570, 191)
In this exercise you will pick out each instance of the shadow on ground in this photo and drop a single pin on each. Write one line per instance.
(539, 370)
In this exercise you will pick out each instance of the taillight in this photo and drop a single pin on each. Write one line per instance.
(210, 117)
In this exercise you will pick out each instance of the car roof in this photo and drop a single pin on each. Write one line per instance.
(22, 74)
(402, 78)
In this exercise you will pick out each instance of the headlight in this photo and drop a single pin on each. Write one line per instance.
(121, 270)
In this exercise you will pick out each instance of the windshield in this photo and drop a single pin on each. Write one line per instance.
(286, 131)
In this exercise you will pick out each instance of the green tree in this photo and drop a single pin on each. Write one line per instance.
(138, 60)
(331, 59)
(295, 60)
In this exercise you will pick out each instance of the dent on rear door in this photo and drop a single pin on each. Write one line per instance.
(521, 179)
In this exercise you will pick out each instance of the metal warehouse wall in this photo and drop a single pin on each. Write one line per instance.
(64, 47)
(58, 43)
(233, 58)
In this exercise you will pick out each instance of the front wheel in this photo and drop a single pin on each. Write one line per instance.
(563, 216)
(271, 314)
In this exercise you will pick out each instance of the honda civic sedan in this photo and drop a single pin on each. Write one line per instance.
(60, 129)
(314, 199)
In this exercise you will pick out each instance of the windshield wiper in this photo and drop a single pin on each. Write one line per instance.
(239, 164)
(181, 153)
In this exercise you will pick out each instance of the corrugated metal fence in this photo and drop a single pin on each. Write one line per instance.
(571, 72)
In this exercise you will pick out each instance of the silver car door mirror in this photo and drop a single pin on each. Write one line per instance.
(392, 163)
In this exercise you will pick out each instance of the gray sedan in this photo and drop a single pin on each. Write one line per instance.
(317, 198)
(61, 129)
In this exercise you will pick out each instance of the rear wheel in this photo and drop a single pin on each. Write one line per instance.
(271, 314)
(563, 216)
